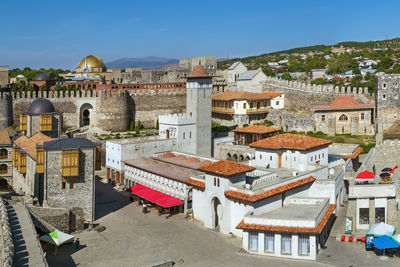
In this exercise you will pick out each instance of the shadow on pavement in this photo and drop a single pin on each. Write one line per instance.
(108, 199)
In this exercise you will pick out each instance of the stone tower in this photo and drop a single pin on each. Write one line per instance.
(198, 105)
(5, 110)
(387, 92)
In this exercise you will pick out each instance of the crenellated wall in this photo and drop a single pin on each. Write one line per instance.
(110, 110)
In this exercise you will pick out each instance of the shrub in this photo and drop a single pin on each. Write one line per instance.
(245, 125)
(132, 126)
(339, 140)
(310, 132)
(319, 133)
(294, 132)
(268, 123)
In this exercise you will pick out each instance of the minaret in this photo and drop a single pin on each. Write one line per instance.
(198, 105)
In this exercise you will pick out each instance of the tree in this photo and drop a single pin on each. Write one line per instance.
(286, 76)
(319, 81)
(385, 64)
(396, 68)
(294, 65)
(138, 126)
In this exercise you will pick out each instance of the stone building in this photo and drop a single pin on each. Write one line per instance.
(240, 79)
(387, 91)
(5, 160)
(239, 108)
(345, 116)
(3, 76)
(58, 173)
(41, 117)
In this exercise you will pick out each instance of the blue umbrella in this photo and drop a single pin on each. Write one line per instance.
(384, 242)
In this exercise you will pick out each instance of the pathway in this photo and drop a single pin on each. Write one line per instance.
(26, 248)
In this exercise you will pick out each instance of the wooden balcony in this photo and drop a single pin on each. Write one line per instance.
(222, 111)
(257, 111)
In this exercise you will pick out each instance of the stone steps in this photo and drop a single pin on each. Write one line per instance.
(27, 250)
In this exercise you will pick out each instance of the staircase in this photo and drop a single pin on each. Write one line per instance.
(27, 250)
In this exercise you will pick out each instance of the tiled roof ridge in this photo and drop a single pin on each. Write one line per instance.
(256, 129)
(290, 141)
(5, 137)
(198, 184)
(287, 229)
(269, 193)
(355, 154)
(226, 168)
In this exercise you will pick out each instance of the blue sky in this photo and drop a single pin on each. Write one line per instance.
(44, 33)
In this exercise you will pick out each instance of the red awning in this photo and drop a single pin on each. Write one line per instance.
(155, 197)
(392, 171)
(366, 175)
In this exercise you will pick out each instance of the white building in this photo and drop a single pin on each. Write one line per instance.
(241, 79)
(234, 71)
(118, 151)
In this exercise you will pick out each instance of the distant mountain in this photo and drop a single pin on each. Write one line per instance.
(144, 62)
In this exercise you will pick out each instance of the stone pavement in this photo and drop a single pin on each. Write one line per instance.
(135, 239)
(26, 249)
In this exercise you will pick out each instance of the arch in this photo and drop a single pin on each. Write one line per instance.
(343, 117)
(3, 168)
(216, 213)
(241, 158)
(228, 155)
(235, 157)
(3, 153)
(85, 114)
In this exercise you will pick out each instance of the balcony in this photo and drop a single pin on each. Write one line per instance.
(257, 111)
(222, 111)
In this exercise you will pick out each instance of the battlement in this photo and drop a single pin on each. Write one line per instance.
(175, 119)
(277, 83)
(92, 94)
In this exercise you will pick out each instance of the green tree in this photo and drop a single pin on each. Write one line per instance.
(385, 64)
(319, 81)
(286, 76)
(132, 127)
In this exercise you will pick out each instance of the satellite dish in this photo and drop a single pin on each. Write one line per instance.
(331, 171)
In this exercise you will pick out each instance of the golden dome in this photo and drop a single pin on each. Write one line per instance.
(92, 62)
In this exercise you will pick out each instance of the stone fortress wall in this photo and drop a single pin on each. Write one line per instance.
(300, 97)
(6, 242)
(110, 110)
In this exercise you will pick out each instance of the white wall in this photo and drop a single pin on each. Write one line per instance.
(278, 102)
(238, 107)
(232, 74)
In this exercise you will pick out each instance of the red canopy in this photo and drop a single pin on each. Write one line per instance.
(392, 171)
(366, 175)
(156, 197)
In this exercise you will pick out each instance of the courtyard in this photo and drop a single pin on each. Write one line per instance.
(135, 239)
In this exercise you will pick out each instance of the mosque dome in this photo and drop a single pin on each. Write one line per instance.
(91, 62)
(41, 106)
(42, 76)
(20, 76)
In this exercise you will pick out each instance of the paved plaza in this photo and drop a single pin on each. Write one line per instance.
(134, 239)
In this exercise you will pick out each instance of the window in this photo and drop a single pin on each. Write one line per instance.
(184, 135)
(23, 122)
(311, 158)
(270, 157)
(244, 105)
(260, 156)
(40, 160)
(70, 163)
(269, 242)
(362, 116)
(64, 183)
(218, 182)
(286, 244)
(277, 103)
(215, 182)
(190, 135)
(322, 117)
(343, 117)
(384, 86)
(22, 163)
(15, 156)
(3, 169)
(46, 122)
(379, 215)
(98, 158)
(304, 245)
(384, 96)
(364, 215)
(3, 153)
(71, 182)
(253, 241)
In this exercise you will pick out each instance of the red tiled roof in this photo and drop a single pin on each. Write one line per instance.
(272, 95)
(180, 157)
(29, 144)
(197, 184)
(226, 168)
(355, 153)
(230, 95)
(168, 155)
(290, 141)
(199, 71)
(192, 160)
(257, 129)
(269, 193)
(205, 163)
(4, 137)
(286, 229)
(344, 102)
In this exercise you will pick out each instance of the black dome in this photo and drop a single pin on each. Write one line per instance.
(40, 106)
(42, 76)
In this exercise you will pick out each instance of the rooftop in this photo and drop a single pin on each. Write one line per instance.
(257, 129)
(164, 169)
(344, 102)
(226, 168)
(230, 95)
(4, 137)
(199, 72)
(29, 145)
(234, 65)
(68, 143)
(290, 141)
(248, 75)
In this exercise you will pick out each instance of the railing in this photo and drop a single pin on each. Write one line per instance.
(36, 237)
(257, 111)
(222, 110)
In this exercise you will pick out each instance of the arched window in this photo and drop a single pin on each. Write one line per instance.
(343, 117)
(3, 169)
(3, 153)
(218, 182)
(215, 182)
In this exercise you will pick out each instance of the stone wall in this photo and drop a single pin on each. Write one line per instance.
(289, 121)
(110, 110)
(6, 242)
(3, 76)
(57, 217)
